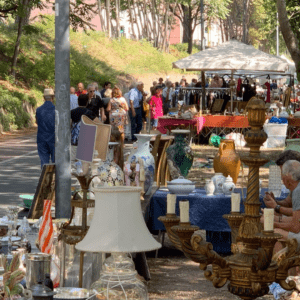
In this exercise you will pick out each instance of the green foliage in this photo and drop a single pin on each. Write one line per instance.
(12, 113)
(184, 47)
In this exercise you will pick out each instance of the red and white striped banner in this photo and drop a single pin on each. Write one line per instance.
(46, 229)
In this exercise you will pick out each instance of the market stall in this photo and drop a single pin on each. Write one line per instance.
(236, 60)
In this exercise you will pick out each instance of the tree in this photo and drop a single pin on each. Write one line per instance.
(188, 12)
(81, 14)
(289, 26)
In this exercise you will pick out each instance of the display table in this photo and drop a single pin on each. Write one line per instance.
(166, 124)
(207, 124)
(224, 124)
(206, 212)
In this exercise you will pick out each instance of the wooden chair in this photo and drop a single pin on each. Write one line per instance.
(161, 171)
(155, 153)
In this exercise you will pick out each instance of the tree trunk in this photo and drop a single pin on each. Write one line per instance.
(222, 30)
(290, 38)
(142, 20)
(159, 24)
(185, 25)
(108, 24)
(171, 23)
(118, 18)
(149, 23)
(164, 45)
(146, 20)
(136, 19)
(102, 22)
(154, 23)
(17, 44)
(131, 19)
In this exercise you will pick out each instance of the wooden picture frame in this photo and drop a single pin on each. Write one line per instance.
(217, 105)
(44, 191)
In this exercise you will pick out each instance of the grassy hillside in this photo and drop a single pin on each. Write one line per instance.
(93, 58)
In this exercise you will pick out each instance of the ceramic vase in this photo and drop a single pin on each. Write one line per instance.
(179, 155)
(218, 180)
(228, 186)
(209, 187)
(227, 161)
(143, 152)
(110, 174)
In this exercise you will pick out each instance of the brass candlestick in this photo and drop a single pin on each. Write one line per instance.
(251, 269)
(234, 220)
(169, 221)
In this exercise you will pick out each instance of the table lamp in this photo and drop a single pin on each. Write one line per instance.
(118, 227)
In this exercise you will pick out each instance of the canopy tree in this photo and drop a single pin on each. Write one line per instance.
(289, 20)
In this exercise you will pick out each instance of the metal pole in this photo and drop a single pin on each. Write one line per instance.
(277, 37)
(62, 110)
(202, 26)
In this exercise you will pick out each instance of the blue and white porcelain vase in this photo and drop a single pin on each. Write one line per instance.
(143, 152)
(110, 174)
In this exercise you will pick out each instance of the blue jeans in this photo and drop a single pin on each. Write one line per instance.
(154, 123)
(45, 151)
(136, 122)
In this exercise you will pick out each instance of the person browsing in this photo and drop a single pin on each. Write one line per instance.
(135, 112)
(95, 104)
(45, 119)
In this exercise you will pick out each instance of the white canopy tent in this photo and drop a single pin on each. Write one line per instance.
(235, 57)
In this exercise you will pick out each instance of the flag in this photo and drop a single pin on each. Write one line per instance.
(46, 229)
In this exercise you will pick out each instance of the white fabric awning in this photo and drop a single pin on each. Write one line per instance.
(233, 56)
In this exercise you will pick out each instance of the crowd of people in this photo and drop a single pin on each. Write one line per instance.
(127, 114)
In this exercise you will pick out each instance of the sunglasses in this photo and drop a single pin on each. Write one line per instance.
(92, 91)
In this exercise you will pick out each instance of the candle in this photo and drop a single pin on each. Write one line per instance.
(235, 202)
(171, 203)
(137, 167)
(184, 211)
(268, 219)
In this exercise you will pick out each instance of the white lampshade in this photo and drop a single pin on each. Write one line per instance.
(118, 224)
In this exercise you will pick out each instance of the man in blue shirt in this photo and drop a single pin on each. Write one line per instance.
(73, 98)
(45, 119)
(136, 96)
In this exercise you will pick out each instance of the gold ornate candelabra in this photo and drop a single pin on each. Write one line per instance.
(250, 269)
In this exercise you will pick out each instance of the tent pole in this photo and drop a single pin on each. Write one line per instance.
(203, 91)
(231, 91)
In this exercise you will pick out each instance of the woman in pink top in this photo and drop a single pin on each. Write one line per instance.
(156, 106)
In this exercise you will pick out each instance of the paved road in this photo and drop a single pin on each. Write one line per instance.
(20, 169)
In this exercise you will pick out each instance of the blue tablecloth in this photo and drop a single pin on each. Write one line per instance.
(206, 212)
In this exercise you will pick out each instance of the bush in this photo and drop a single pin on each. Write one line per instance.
(12, 114)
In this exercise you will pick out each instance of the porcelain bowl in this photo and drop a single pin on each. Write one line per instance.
(181, 186)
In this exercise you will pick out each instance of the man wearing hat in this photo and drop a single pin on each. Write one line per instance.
(45, 119)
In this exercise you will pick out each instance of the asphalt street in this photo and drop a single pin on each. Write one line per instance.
(20, 170)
